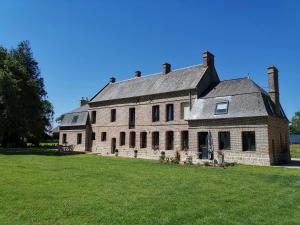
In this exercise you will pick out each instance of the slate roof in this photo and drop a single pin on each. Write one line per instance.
(77, 117)
(245, 99)
(177, 80)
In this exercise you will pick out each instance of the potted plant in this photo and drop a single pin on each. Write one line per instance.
(162, 156)
(220, 156)
(135, 153)
(116, 152)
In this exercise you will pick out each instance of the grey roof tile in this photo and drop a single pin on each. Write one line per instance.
(177, 80)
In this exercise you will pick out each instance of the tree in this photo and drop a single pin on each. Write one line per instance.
(25, 113)
(295, 125)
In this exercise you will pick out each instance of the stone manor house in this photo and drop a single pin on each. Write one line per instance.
(187, 111)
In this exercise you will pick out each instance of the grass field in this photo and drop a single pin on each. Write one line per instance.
(85, 189)
(295, 151)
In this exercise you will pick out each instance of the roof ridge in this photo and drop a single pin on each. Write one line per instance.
(157, 74)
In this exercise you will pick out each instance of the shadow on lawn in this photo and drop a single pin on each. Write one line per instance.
(36, 151)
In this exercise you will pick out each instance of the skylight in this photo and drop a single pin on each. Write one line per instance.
(221, 107)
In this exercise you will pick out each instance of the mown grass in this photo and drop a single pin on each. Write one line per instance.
(86, 189)
(295, 151)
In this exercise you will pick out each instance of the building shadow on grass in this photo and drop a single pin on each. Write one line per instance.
(37, 151)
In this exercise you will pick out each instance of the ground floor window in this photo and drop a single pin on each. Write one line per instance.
(64, 139)
(248, 138)
(103, 136)
(224, 140)
(122, 138)
(93, 136)
(79, 138)
(169, 140)
(155, 140)
(132, 139)
(143, 139)
(184, 140)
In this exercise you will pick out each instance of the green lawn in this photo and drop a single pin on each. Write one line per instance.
(295, 151)
(85, 189)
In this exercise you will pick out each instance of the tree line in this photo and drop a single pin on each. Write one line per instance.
(25, 112)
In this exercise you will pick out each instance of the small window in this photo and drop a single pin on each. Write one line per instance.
(170, 112)
(155, 140)
(93, 136)
(169, 140)
(103, 136)
(64, 138)
(113, 115)
(184, 140)
(143, 139)
(93, 117)
(155, 113)
(74, 119)
(184, 110)
(248, 141)
(132, 139)
(222, 107)
(224, 140)
(79, 138)
(122, 138)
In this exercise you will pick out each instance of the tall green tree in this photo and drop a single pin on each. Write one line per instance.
(295, 124)
(25, 113)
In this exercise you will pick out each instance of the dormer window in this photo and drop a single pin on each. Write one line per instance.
(221, 107)
(74, 119)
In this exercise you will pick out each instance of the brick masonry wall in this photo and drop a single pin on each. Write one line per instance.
(235, 127)
(279, 147)
(72, 139)
(143, 111)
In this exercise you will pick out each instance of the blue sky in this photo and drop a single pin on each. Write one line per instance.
(80, 44)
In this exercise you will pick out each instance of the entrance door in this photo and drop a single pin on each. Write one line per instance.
(113, 145)
(203, 145)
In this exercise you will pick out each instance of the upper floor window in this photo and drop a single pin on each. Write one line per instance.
(170, 112)
(184, 110)
(103, 136)
(113, 115)
(93, 117)
(221, 107)
(79, 138)
(131, 118)
(155, 113)
(248, 138)
(224, 140)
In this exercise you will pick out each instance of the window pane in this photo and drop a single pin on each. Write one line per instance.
(185, 140)
(143, 139)
(155, 140)
(170, 112)
(170, 140)
(224, 140)
(221, 108)
(249, 141)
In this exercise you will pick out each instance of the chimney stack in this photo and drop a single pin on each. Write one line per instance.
(208, 59)
(274, 87)
(112, 80)
(166, 68)
(84, 101)
(137, 74)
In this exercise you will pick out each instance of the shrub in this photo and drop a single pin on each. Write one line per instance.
(189, 160)
(162, 156)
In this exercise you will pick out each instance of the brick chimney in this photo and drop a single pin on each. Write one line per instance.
(208, 59)
(137, 74)
(112, 80)
(84, 101)
(166, 68)
(274, 87)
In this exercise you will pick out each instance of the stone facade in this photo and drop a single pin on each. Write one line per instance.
(102, 134)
